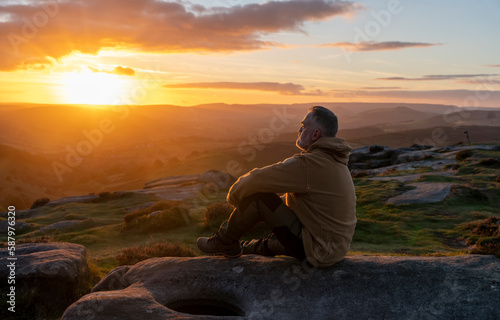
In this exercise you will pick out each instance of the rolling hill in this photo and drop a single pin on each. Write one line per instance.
(104, 148)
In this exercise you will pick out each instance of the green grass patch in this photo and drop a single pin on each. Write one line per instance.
(161, 216)
(133, 255)
(375, 192)
(439, 179)
(216, 214)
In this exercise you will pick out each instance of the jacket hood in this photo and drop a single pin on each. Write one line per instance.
(337, 147)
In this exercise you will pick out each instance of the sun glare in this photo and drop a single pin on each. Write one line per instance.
(89, 87)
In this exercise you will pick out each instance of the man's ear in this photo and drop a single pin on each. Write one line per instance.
(316, 134)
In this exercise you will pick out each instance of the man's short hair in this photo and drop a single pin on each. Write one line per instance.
(326, 119)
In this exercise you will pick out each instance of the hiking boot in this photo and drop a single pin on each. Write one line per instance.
(248, 247)
(269, 246)
(216, 246)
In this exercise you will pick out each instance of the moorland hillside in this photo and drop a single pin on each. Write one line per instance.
(55, 150)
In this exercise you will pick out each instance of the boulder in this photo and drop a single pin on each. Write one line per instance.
(412, 177)
(61, 225)
(420, 146)
(423, 192)
(376, 156)
(51, 260)
(48, 276)
(74, 199)
(21, 226)
(411, 156)
(253, 287)
(376, 159)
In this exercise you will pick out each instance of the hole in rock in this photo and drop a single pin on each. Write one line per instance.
(207, 307)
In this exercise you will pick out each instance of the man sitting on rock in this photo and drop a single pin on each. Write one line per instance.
(317, 220)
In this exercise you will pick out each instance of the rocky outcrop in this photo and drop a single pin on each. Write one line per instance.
(252, 287)
(375, 159)
(20, 226)
(375, 156)
(61, 225)
(423, 192)
(47, 276)
(65, 262)
(188, 186)
(384, 164)
(176, 188)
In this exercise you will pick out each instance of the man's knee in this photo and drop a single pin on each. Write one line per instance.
(270, 200)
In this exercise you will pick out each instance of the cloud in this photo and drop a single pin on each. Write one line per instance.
(123, 71)
(281, 88)
(434, 77)
(380, 88)
(119, 70)
(484, 96)
(39, 32)
(494, 65)
(484, 82)
(378, 46)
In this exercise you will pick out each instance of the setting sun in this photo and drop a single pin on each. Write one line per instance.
(90, 87)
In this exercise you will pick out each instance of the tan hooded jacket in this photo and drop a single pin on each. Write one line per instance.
(319, 189)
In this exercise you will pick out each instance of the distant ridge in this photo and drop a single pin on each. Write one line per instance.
(386, 115)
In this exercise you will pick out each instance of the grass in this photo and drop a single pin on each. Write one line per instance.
(133, 255)
(436, 228)
(440, 179)
(112, 224)
(394, 172)
(161, 216)
(484, 234)
(216, 214)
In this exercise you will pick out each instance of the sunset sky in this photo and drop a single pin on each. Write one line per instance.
(250, 51)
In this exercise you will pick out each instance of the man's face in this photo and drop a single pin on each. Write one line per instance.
(308, 132)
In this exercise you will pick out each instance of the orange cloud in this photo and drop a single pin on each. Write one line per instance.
(281, 88)
(39, 32)
(119, 70)
(378, 46)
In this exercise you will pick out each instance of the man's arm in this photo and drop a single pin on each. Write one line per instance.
(287, 176)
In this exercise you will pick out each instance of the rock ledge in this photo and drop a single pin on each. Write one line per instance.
(252, 287)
